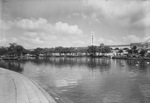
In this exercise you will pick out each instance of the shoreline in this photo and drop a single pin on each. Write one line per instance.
(16, 87)
(46, 57)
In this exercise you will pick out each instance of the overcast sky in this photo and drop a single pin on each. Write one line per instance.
(50, 23)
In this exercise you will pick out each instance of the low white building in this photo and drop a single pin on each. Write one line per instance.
(141, 45)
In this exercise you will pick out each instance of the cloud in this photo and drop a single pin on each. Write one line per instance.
(106, 41)
(79, 43)
(123, 12)
(145, 21)
(121, 19)
(42, 24)
(84, 16)
(70, 29)
(76, 14)
(122, 40)
(116, 8)
(31, 24)
(4, 25)
(134, 39)
(33, 32)
(131, 38)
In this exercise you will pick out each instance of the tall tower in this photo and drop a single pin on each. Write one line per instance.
(92, 37)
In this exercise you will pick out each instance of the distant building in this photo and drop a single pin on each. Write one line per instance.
(102, 45)
(146, 46)
(141, 46)
(138, 45)
(30, 49)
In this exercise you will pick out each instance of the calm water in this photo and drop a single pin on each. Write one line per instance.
(87, 80)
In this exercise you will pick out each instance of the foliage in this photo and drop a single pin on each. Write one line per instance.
(142, 52)
(125, 48)
(130, 51)
(17, 50)
(91, 50)
(3, 50)
(148, 55)
(13, 50)
(58, 50)
(134, 48)
(107, 49)
(37, 51)
(120, 51)
(116, 49)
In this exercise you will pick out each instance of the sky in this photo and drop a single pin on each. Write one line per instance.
(69, 23)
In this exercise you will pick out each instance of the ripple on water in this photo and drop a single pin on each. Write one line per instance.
(145, 89)
(131, 74)
(112, 97)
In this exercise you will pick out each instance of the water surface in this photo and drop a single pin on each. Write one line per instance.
(88, 80)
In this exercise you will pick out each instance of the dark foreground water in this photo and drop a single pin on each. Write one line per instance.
(88, 80)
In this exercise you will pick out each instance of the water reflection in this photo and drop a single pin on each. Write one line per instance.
(89, 80)
(91, 63)
(142, 64)
(12, 65)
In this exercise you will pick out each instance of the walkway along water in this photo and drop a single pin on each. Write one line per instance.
(16, 88)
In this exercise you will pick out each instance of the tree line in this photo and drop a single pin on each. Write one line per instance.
(18, 50)
(14, 50)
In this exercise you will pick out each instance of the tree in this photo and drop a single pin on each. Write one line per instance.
(120, 51)
(12, 49)
(19, 50)
(91, 50)
(99, 50)
(3, 50)
(107, 49)
(142, 52)
(15, 50)
(134, 51)
(125, 48)
(130, 52)
(81, 50)
(72, 50)
(59, 50)
(116, 49)
(37, 51)
(47, 51)
(51, 50)
(134, 48)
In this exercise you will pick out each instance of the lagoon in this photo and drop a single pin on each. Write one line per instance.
(88, 80)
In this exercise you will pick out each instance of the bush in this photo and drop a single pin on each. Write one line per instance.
(148, 55)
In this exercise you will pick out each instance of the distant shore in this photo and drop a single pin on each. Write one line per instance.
(75, 56)
(130, 58)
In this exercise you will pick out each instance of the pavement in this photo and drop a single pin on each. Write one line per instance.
(16, 88)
